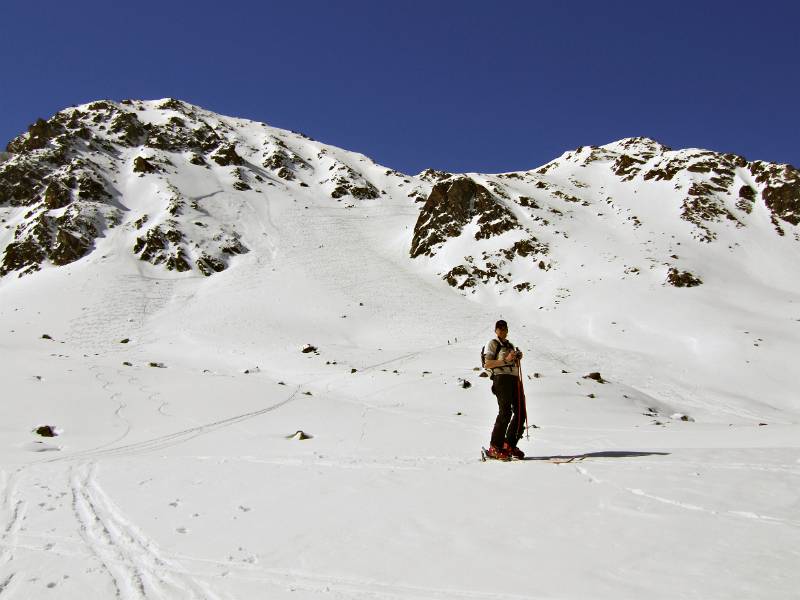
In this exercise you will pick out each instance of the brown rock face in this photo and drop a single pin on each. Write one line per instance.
(64, 171)
(129, 130)
(451, 205)
(162, 247)
(40, 134)
(62, 240)
(627, 167)
(57, 195)
(682, 278)
(782, 191)
(227, 155)
(142, 165)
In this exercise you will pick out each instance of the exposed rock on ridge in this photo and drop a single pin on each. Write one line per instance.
(65, 188)
(458, 202)
(510, 218)
(71, 174)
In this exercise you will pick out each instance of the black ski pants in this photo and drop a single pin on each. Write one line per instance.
(511, 414)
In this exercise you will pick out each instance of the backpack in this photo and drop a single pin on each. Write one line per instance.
(483, 358)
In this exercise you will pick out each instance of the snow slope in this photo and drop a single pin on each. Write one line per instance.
(184, 480)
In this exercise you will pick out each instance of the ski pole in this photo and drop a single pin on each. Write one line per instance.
(522, 401)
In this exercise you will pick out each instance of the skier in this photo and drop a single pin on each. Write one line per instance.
(502, 359)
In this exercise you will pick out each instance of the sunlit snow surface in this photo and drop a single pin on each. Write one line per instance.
(185, 481)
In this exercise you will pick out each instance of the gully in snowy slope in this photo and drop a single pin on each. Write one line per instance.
(502, 359)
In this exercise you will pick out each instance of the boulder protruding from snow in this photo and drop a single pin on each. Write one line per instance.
(47, 431)
(682, 278)
(595, 376)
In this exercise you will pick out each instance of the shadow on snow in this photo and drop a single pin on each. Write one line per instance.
(607, 454)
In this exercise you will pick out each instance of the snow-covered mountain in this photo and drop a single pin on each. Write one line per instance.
(634, 190)
(151, 169)
(166, 176)
(589, 239)
(181, 292)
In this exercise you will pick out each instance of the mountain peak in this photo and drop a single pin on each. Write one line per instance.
(637, 145)
(163, 173)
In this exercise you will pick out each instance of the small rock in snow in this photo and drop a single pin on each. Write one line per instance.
(47, 431)
(595, 376)
(681, 417)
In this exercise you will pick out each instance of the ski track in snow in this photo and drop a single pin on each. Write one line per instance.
(344, 587)
(398, 463)
(121, 406)
(13, 513)
(133, 562)
(171, 439)
(5, 585)
(118, 413)
(687, 505)
(121, 309)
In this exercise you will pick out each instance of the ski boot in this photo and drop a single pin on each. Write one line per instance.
(496, 453)
(513, 451)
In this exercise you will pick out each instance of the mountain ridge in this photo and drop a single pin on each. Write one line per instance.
(147, 168)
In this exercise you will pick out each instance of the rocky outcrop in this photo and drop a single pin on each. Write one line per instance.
(347, 182)
(283, 162)
(518, 215)
(681, 279)
(719, 187)
(460, 203)
(450, 206)
(226, 155)
(61, 240)
(69, 197)
(781, 192)
(64, 172)
(159, 246)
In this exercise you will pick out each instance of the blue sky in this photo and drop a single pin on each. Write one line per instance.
(460, 86)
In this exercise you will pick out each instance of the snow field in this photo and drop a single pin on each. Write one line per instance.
(180, 480)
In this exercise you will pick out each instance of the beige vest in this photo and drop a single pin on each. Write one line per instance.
(495, 350)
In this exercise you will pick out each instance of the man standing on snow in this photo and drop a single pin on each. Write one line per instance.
(502, 359)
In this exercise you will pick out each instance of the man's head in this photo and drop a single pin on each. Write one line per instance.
(501, 329)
